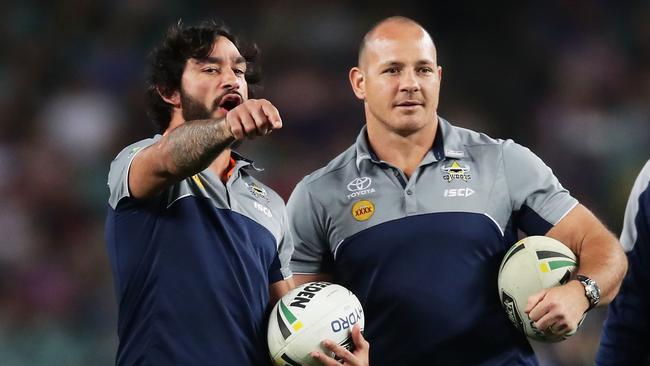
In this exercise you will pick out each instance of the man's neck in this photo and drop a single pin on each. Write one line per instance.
(220, 165)
(403, 152)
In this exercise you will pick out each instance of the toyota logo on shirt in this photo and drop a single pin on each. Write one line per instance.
(360, 187)
(359, 184)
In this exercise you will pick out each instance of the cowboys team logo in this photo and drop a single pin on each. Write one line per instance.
(456, 171)
(256, 191)
(363, 210)
(360, 187)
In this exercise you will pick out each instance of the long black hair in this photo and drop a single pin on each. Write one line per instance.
(169, 58)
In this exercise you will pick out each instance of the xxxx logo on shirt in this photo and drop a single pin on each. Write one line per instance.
(363, 210)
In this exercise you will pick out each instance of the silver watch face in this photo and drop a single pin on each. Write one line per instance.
(592, 291)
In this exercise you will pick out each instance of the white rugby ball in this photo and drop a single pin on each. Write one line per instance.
(308, 315)
(530, 265)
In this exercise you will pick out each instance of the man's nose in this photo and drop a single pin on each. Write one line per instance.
(409, 82)
(230, 80)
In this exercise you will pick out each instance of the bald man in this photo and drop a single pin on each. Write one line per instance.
(416, 216)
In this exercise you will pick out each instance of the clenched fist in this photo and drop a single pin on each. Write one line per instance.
(254, 117)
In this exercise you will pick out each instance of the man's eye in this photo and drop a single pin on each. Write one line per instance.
(392, 70)
(426, 70)
(239, 72)
(211, 70)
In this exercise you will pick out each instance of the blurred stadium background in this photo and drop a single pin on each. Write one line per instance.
(569, 79)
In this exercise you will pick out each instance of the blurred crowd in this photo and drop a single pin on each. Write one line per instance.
(570, 80)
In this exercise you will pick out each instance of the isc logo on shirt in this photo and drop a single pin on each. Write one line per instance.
(265, 210)
(458, 192)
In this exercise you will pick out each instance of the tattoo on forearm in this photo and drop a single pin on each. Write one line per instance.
(195, 144)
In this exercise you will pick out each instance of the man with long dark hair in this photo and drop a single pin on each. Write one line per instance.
(198, 247)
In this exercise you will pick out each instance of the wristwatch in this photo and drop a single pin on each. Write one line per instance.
(592, 291)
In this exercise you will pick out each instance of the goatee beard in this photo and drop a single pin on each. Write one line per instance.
(193, 109)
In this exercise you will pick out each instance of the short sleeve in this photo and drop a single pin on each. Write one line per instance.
(285, 247)
(310, 247)
(536, 195)
(634, 209)
(118, 175)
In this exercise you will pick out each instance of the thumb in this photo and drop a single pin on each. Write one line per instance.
(357, 337)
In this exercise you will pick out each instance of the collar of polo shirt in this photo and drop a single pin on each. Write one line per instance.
(446, 144)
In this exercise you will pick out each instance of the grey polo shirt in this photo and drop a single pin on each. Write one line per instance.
(192, 266)
(422, 253)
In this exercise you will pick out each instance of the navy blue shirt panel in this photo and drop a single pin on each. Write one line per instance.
(626, 330)
(192, 283)
(531, 222)
(409, 266)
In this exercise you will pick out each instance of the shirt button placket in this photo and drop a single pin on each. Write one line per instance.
(411, 202)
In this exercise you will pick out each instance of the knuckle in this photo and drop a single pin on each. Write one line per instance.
(249, 104)
(249, 123)
(235, 127)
